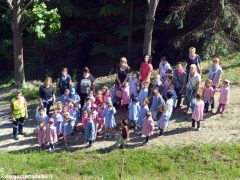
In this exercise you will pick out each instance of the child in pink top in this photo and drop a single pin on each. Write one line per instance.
(125, 95)
(208, 95)
(95, 116)
(51, 134)
(107, 97)
(197, 114)
(84, 119)
(224, 96)
(41, 134)
(148, 126)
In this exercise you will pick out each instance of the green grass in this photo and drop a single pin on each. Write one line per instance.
(190, 162)
(231, 68)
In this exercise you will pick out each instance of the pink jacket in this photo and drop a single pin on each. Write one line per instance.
(107, 99)
(224, 95)
(84, 121)
(148, 127)
(51, 134)
(125, 95)
(41, 135)
(208, 92)
(197, 114)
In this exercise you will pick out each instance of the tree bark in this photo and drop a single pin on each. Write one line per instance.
(130, 27)
(17, 45)
(150, 18)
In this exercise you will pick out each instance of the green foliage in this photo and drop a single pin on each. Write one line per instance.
(219, 161)
(110, 9)
(46, 21)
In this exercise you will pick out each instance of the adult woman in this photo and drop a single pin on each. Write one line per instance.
(215, 74)
(193, 58)
(122, 72)
(46, 94)
(192, 86)
(64, 81)
(179, 79)
(86, 84)
(146, 69)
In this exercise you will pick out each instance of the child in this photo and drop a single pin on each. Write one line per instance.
(142, 112)
(166, 83)
(174, 97)
(164, 119)
(208, 95)
(84, 119)
(90, 133)
(57, 119)
(88, 105)
(41, 134)
(157, 84)
(65, 97)
(133, 108)
(64, 81)
(95, 116)
(107, 97)
(113, 93)
(91, 96)
(125, 95)
(75, 97)
(133, 83)
(169, 103)
(164, 66)
(124, 134)
(110, 123)
(224, 96)
(74, 113)
(143, 93)
(41, 115)
(66, 128)
(99, 98)
(148, 127)
(197, 114)
(51, 134)
(157, 100)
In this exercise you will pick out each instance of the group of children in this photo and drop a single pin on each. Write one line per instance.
(144, 102)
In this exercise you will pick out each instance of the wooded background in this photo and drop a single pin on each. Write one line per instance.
(96, 33)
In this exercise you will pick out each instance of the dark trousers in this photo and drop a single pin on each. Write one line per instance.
(179, 97)
(161, 132)
(83, 96)
(18, 126)
(193, 123)
(147, 139)
(47, 105)
(90, 142)
(206, 106)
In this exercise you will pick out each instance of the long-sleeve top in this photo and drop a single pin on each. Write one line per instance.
(41, 135)
(156, 102)
(142, 95)
(133, 83)
(224, 95)
(51, 134)
(133, 111)
(148, 127)
(90, 133)
(142, 114)
(57, 121)
(108, 114)
(66, 127)
(125, 132)
(163, 122)
(197, 114)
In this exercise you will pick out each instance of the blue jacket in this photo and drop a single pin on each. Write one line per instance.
(90, 133)
(142, 114)
(156, 102)
(133, 111)
(142, 95)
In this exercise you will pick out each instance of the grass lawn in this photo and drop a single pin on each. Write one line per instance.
(220, 161)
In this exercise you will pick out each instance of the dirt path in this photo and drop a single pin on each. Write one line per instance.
(216, 129)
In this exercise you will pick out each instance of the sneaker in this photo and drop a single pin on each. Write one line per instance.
(199, 129)
(50, 150)
(16, 138)
(189, 111)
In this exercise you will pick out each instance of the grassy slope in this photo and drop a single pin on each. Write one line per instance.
(189, 162)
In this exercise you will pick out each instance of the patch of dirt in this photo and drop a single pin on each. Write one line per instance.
(215, 129)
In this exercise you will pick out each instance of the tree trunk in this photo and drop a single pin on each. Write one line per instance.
(150, 18)
(17, 46)
(130, 27)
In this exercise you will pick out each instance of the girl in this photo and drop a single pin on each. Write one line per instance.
(133, 108)
(90, 134)
(133, 83)
(99, 98)
(124, 134)
(113, 93)
(107, 97)
(197, 114)
(166, 84)
(146, 70)
(110, 123)
(125, 95)
(157, 100)
(88, 105)
(143, 93)
(215, 72)
(169, 103)
(41, 134)
(95, 117)
(91, 96)
(164, 119)
(174, 94)
(51, 134)
(41, 115)
(74, 113)
(208, 95)
(57, 119)
(75, 97)
(164, 66)
(142, 112)
(148, 127)
(66, 128)
(64, 81)
(65, 97)
(224, 96)
(84, 119)
(157, 84)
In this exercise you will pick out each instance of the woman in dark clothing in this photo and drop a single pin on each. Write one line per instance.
(122, 72)
(46, 94)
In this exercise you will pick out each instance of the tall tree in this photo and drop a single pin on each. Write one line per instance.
(150, 18)
(34, 16)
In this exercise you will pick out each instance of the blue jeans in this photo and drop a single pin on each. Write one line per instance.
(190, 98)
